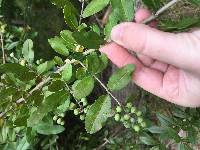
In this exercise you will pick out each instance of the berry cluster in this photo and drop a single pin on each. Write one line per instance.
(59, 119)
(130, 117)
(80, 109)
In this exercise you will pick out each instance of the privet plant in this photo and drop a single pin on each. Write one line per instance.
(36, 95)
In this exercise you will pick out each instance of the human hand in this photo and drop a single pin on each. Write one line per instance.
(167, 64)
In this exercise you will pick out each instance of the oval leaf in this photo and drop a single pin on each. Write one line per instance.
(82, 88)
(95, 6)
(98, 114)
(121, 78)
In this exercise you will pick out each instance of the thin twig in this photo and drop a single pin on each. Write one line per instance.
(3, 50)
(82, 8)
(101, 83)
(160, 11)
(38, 87)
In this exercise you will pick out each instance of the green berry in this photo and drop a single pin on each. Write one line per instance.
(128, 105)
(12, 55)
(76, 111)
(85, 103)
(85, 110)
(82, 117)
(62, 115)
(126, 117)
(133, 110)
(117, 117)
(143, 124)
(140, 120)
(139, 113)
(55, 118)
(59, 121)
(23, 62)
(72, 106)
(127, 125)
(118, 109)
(83, 100)
(62, 123)
(132, 120)
(136, 128)
(37, 62)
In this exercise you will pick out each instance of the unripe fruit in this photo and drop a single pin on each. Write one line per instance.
(12, 55)
(72, 106)
(23, 62)
(127, 125)
(118, 109)
(62, 115)
(139, 113)
(85, 110)
(76, 111)
(126, 117)
(82, 117)
(136, 128)
(59, 121)
(128, 105)
(117, 117)
(37, 62)
(55, 118)
(143, 124)
(140, 120)
(83, 100)
(85, 103)
(62, 123)
(133, 110)
(132, 120)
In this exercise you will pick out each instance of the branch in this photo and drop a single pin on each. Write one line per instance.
(38, 87)
(101, 83)
(82, 8)
(3, 50)
(160, 11)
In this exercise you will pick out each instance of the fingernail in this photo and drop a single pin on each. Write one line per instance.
(116, 33)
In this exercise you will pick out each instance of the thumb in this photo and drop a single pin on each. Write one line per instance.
(179, 50)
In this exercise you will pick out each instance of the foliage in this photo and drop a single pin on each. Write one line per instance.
(43, 100)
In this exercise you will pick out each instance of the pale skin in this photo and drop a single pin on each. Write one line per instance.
(167, 64)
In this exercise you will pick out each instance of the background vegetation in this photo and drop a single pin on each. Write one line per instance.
(30, 25)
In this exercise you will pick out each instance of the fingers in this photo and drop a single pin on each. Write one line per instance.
(119, 56)
(176, 49)
(149, 79)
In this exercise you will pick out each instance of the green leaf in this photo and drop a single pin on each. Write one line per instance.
(97, 114)
(148, 140)
(50, 103)
(47, 129)
(64, 106)
(27, 51)
(58, 44)
(95, 6)
(125, 9)
(112, 21)
(42, 68)
(56, 85)
(153, 4)
(121, 78)
(67, 73)
(68, 38)
(13, 68)
(156, 129)
(70, 17)
(83, 88)
(196, 2)
(60, 3)
(90, 40)
(164, 120)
